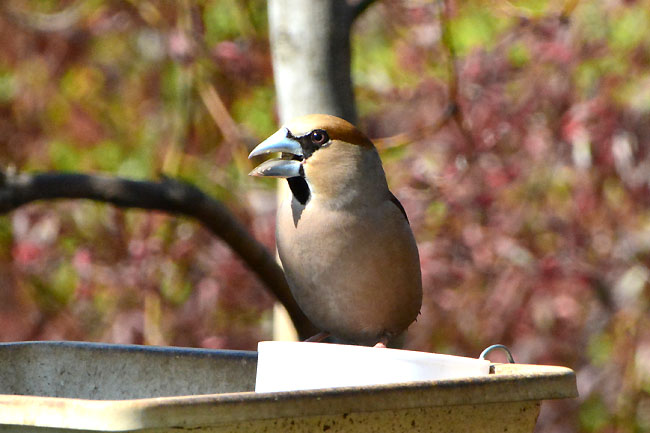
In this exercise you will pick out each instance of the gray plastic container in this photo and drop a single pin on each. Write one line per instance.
(72, 387)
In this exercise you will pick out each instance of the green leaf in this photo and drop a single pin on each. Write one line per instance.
(436, 214)
(255, 111)
(6, 238)
(139, 165)
(64, 283)
(600, 348)
(82, 83)
(223, 20)
(174, 287)
(533, 7)
(8, 86)
(518, 55)
(475, 27)
(593, 414)
(107, 156)
(64, 155)
(629, 29)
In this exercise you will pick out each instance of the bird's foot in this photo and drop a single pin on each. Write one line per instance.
(318, 337)
(382, 343)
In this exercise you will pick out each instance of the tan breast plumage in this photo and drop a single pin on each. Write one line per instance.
(351, 276)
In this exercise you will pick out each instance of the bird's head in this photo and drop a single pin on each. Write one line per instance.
(324, 154)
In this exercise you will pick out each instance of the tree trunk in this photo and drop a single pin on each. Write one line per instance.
(310, 45)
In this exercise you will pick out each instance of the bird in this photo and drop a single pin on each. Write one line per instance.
(343, 238)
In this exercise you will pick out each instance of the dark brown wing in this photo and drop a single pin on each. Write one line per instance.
(399, 206)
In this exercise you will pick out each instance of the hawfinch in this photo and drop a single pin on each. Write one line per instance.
(343, 238)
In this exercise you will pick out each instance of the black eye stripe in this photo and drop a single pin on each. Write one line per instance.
(307, 141)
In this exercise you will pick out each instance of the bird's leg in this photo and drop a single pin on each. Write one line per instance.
(382, 343)
(318, 337)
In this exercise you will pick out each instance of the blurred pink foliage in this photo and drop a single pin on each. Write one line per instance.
(518, 144)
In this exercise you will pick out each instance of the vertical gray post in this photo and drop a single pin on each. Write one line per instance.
(310, 45)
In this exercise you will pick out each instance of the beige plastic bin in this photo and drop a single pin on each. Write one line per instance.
(72, 387)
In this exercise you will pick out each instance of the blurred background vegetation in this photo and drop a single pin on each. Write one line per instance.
(515, 133)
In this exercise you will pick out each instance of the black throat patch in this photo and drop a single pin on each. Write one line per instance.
(299, 189)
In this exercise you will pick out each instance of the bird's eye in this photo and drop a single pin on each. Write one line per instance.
(319, 137)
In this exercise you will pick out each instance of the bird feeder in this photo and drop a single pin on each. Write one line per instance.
(88, 387)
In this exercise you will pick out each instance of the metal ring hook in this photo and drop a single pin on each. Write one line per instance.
(483, 354)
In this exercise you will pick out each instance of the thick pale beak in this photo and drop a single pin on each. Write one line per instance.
(278, 142)
(278, 168)
(282, 142)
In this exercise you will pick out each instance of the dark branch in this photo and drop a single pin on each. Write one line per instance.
(167, 195)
